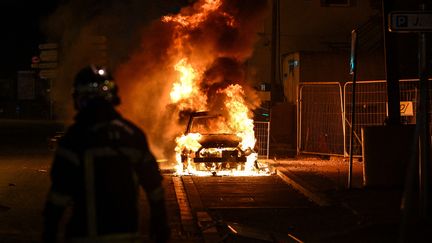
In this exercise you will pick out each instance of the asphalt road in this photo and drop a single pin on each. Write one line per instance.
(24, 182)
(200, 209)
(23, 187)
(254, 201)
(24, 165)
(262, 203)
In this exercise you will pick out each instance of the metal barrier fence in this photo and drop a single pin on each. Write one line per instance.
(262, 134)
(320, 123)
(371, 106)
(319, 106)
(371, 98)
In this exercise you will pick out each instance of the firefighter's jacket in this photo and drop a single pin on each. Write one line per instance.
(97, 169)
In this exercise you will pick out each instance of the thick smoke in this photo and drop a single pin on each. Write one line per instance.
(143, 54)
(105, 32)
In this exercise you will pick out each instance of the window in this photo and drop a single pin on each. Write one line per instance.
(335, 3)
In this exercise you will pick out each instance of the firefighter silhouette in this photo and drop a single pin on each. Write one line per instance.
(98, 166)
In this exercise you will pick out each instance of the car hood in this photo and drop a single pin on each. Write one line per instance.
(219, 140)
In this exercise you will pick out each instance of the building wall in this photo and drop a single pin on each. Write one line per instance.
(324, 66)
(308, 26)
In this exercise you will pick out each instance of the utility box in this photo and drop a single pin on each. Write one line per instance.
(387, 150)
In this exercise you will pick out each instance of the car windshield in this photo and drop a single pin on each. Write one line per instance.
(209, 125)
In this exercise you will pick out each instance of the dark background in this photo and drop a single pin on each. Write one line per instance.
(21, 24)
(21, 33)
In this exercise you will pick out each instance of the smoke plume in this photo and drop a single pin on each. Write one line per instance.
(104, 32)
(144, 47)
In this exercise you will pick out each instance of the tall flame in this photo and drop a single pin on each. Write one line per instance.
(240, 121)
(188, 93)
(187, 87)
(239, 115)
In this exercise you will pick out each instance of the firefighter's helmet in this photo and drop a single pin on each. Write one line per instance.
(94, 84)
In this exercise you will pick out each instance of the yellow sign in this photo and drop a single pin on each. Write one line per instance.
(406, 108)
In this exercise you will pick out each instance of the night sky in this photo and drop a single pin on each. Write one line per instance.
(21, 33)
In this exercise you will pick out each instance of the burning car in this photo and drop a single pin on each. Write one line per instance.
(208, 144)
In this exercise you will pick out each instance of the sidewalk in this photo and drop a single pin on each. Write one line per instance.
(377, 210)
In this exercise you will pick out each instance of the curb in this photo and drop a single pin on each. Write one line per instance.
(303, 187)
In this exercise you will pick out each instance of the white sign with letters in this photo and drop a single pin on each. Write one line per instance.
(410, 21)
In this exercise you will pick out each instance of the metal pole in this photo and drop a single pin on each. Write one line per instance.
(391, 68)
(415, 206)
(353, 71)
(423, 123)
(268, 139)
(276, 89)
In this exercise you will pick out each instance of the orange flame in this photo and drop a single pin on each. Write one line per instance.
(240, 121)
(239, 118)
(195, 19)
(185, 92)
(189, 142)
